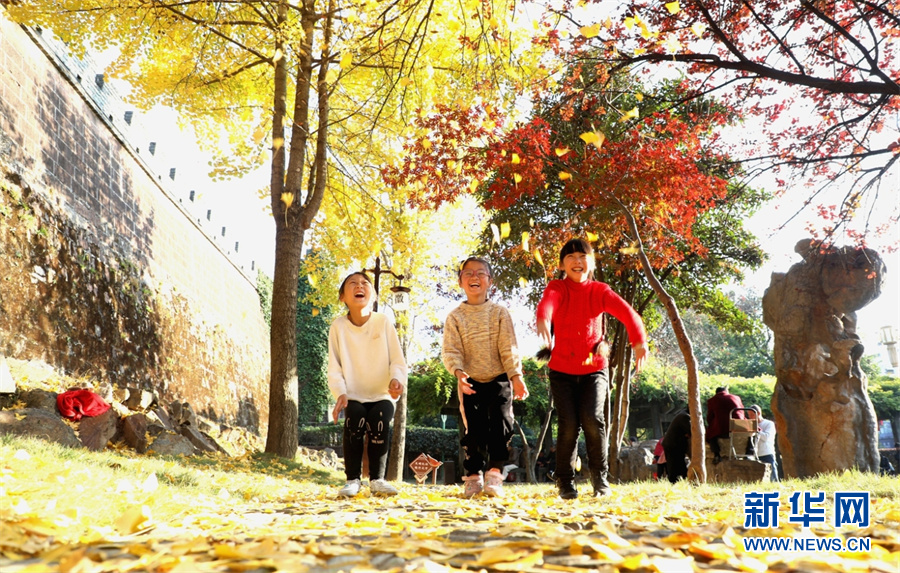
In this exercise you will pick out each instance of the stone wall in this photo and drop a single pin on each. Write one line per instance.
(104, 273)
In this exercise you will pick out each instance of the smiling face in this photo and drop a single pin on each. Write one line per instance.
(357, 292)
(579, 267)
(475, 280)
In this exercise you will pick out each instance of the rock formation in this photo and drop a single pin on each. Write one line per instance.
(824, 417)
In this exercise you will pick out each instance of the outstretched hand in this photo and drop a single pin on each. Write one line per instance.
(520, 391)
(341, 404)
(640, 356)
(462, 382)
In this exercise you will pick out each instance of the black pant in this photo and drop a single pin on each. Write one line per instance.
(372, 419)
(488, 417)
(579, 402)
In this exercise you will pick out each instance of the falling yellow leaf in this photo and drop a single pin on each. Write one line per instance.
(522, 282)
(560, 151)
(538, 258)
(150, 484)
(590, 31)
(496, 232)
(639, 96)
(629, 23)
(346, 60)
(315, 311)
(504, 230)
(515, 159)
(517, 178)
(563, 175)
(630, 114)
(629, 250)
(592, 236)
(639, 51)
(473, 185)
(404, 82)
(525, 237)
(313, 281)
(673, 7)
(287, 199)
(593, 137)
(698, 28)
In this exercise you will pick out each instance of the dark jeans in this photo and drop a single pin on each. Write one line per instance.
(579, 402)
(372, 419)
(713, 442)
(770, 459)
(488, 416)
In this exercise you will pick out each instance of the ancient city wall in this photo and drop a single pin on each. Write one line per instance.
(104, 271)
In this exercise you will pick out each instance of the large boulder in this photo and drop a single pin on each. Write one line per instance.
(38, 423)
(823, 414)
(95, 432)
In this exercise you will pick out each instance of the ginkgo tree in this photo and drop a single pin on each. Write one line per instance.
(307, 85)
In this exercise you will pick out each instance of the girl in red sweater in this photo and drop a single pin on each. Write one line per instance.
(572, 309)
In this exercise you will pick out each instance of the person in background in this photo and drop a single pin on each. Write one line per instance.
(659, 458)
(765, 446)
(718, 419)
(366, 374)
(677, 446)
(480, 349)
(570, 322)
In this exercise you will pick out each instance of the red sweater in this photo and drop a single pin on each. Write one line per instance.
(576, 312)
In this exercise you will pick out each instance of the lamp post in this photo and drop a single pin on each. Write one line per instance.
(889, 340)
(378, 271)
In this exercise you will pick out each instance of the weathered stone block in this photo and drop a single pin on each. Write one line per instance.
(39, 424)
(168, 444)
(95, 432)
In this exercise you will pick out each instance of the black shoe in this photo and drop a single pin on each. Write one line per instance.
(567, 489)
(602, 490)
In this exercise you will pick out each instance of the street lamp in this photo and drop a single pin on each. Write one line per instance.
(889, 340)
(399, 299)
(377, 271)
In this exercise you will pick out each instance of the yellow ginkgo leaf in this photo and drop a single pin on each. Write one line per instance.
(673, 7)
(629, 23)
(315, 311)
(590, 31)
(698, 28)
(504, 230)
(312, 280)
(563, 175)
(132, 519)
(150, 484)
(631, 114)
(287, 199)
(332, 75)
(639, 51)
(404, 82)
(593, 137)
(525, 237)
(639, 96)
(592, 236)
(346, 60)
(517, 178)
(629, 250)
(531, 221)
(560, 151)
(515, 158)
(496, 233)
(538, 257)
(473, 185)
(522, 282)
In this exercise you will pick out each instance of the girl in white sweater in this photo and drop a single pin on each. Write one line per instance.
(366, 373)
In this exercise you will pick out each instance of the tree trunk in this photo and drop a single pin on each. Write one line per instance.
(290, 227)
(397, 457)
(526, 452)
(698, 446)
(542, 437)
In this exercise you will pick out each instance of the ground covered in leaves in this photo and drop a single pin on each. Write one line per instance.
(81, 512)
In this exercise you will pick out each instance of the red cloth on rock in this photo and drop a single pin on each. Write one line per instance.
(75, 404)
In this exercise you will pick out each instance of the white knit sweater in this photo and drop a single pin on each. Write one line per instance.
(362, 360)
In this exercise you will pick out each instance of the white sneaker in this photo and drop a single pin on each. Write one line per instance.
(474, 485)
(382, 487)
(493, 483)
(351, 489)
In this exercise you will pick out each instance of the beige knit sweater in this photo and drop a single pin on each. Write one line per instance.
(481, 341)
